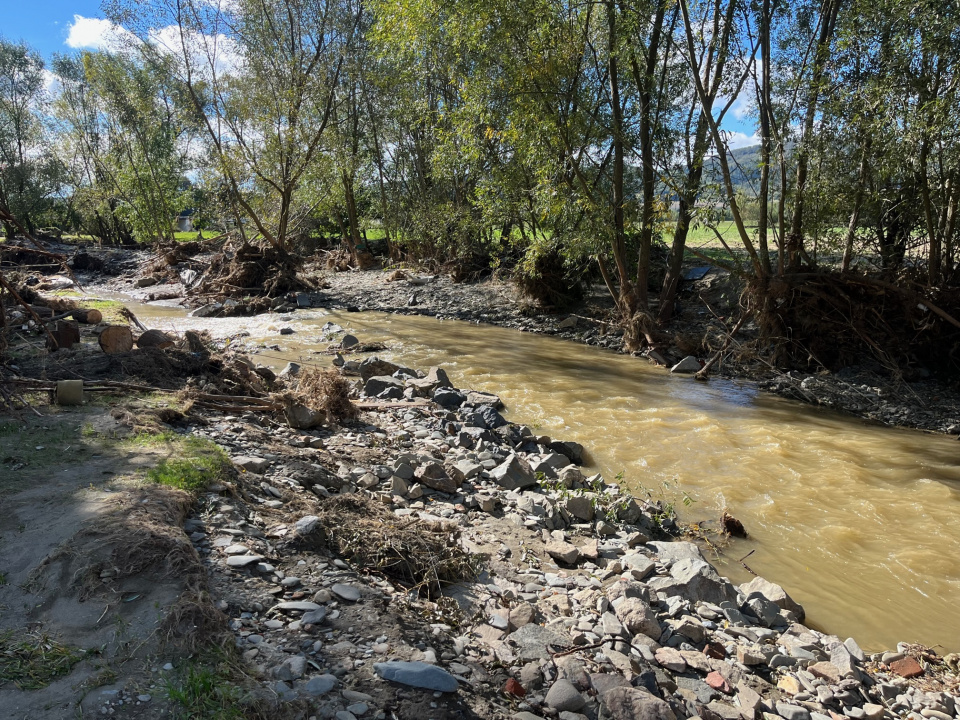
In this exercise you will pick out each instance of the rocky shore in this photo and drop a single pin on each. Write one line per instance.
(562, 597)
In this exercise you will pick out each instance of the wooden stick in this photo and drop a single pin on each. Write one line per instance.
(705, 370)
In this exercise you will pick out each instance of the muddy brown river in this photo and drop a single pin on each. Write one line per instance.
(860, 523)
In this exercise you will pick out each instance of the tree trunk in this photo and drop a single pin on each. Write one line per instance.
(115, 339)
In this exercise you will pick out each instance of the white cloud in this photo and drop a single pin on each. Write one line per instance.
(96, 34)
(737, 140)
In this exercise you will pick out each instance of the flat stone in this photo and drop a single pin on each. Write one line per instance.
(792, 712)
(581, 507)
(417, 674)
(243, 560)
(640, 565)
(534, 642)
(563, 697)
(351, 593)
(298, 605)
(671, 659)
(237, 550)
(825, 671)
(630, 703)
(564, 552)
(717, 682)
(906, 667)
(251, 463)
(320, 685)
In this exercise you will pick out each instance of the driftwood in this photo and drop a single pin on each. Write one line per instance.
(115, 339)
(26, 306)
(154, 338)
(90, 316)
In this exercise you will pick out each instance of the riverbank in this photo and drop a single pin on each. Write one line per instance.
(707, 310)
(431, 559)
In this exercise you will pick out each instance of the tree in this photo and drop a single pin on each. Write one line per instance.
(29, 171)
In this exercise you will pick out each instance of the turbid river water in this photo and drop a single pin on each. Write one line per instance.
(861, 524)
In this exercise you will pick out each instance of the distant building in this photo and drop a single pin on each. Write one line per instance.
(184, 221)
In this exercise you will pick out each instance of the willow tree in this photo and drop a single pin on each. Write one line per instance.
(261, 77)
(29, 171)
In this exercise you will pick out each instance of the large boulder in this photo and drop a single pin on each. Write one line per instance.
(696, 581)
(513, 474)
(378, 383)
(447, 398)
(775, 594)
(434, 476)
(374, 366)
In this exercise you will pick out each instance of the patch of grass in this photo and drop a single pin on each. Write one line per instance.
(188, 236)
(3, 578)
(32, 661)
(204, 689)
(200, 463)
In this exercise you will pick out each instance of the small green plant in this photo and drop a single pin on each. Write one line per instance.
(204, 690)
(32, 661)
(3, 578)
(202, 462)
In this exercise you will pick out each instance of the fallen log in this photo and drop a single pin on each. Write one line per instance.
(90, 316)
(154, 338)
(115, 339)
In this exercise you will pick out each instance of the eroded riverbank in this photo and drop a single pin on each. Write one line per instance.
(855, 519)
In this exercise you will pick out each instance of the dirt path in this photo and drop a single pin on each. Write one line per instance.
(68, 487)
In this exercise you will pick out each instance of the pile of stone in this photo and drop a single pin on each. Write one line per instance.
(589, 609)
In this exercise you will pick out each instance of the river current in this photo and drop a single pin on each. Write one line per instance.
(859, 523)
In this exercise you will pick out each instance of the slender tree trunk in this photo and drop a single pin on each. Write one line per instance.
(855, 212)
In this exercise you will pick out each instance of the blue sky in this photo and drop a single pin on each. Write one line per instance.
(52, 26)
(45, 24)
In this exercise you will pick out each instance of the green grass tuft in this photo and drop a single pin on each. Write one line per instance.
(202, 462)
(33, 661)
(204, 691)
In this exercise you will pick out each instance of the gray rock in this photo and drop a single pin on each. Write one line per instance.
(348, 341)
(792, 712)
(417, 674)
(639, 618)
(580, 506)
(630, 703)
(306, 525)
(448, 398)
(243, 560)
(298, 605)
(696, 581)
(379, 383)
(291, 369)
(251, 463)
(688, 365)
(563, 551)
(640, 565)
(513, 474)
(374, 367)
(292, 668)
(206, 310)
(775, 594)
(314, 617)
(477, 398)
(434, 476)
(351, 593)
(533, 642)
(671, 552)
(563, 696)
(320, 685)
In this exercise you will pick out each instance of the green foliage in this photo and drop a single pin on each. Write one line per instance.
(204, 689)
(202, 462)
(32, 661)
